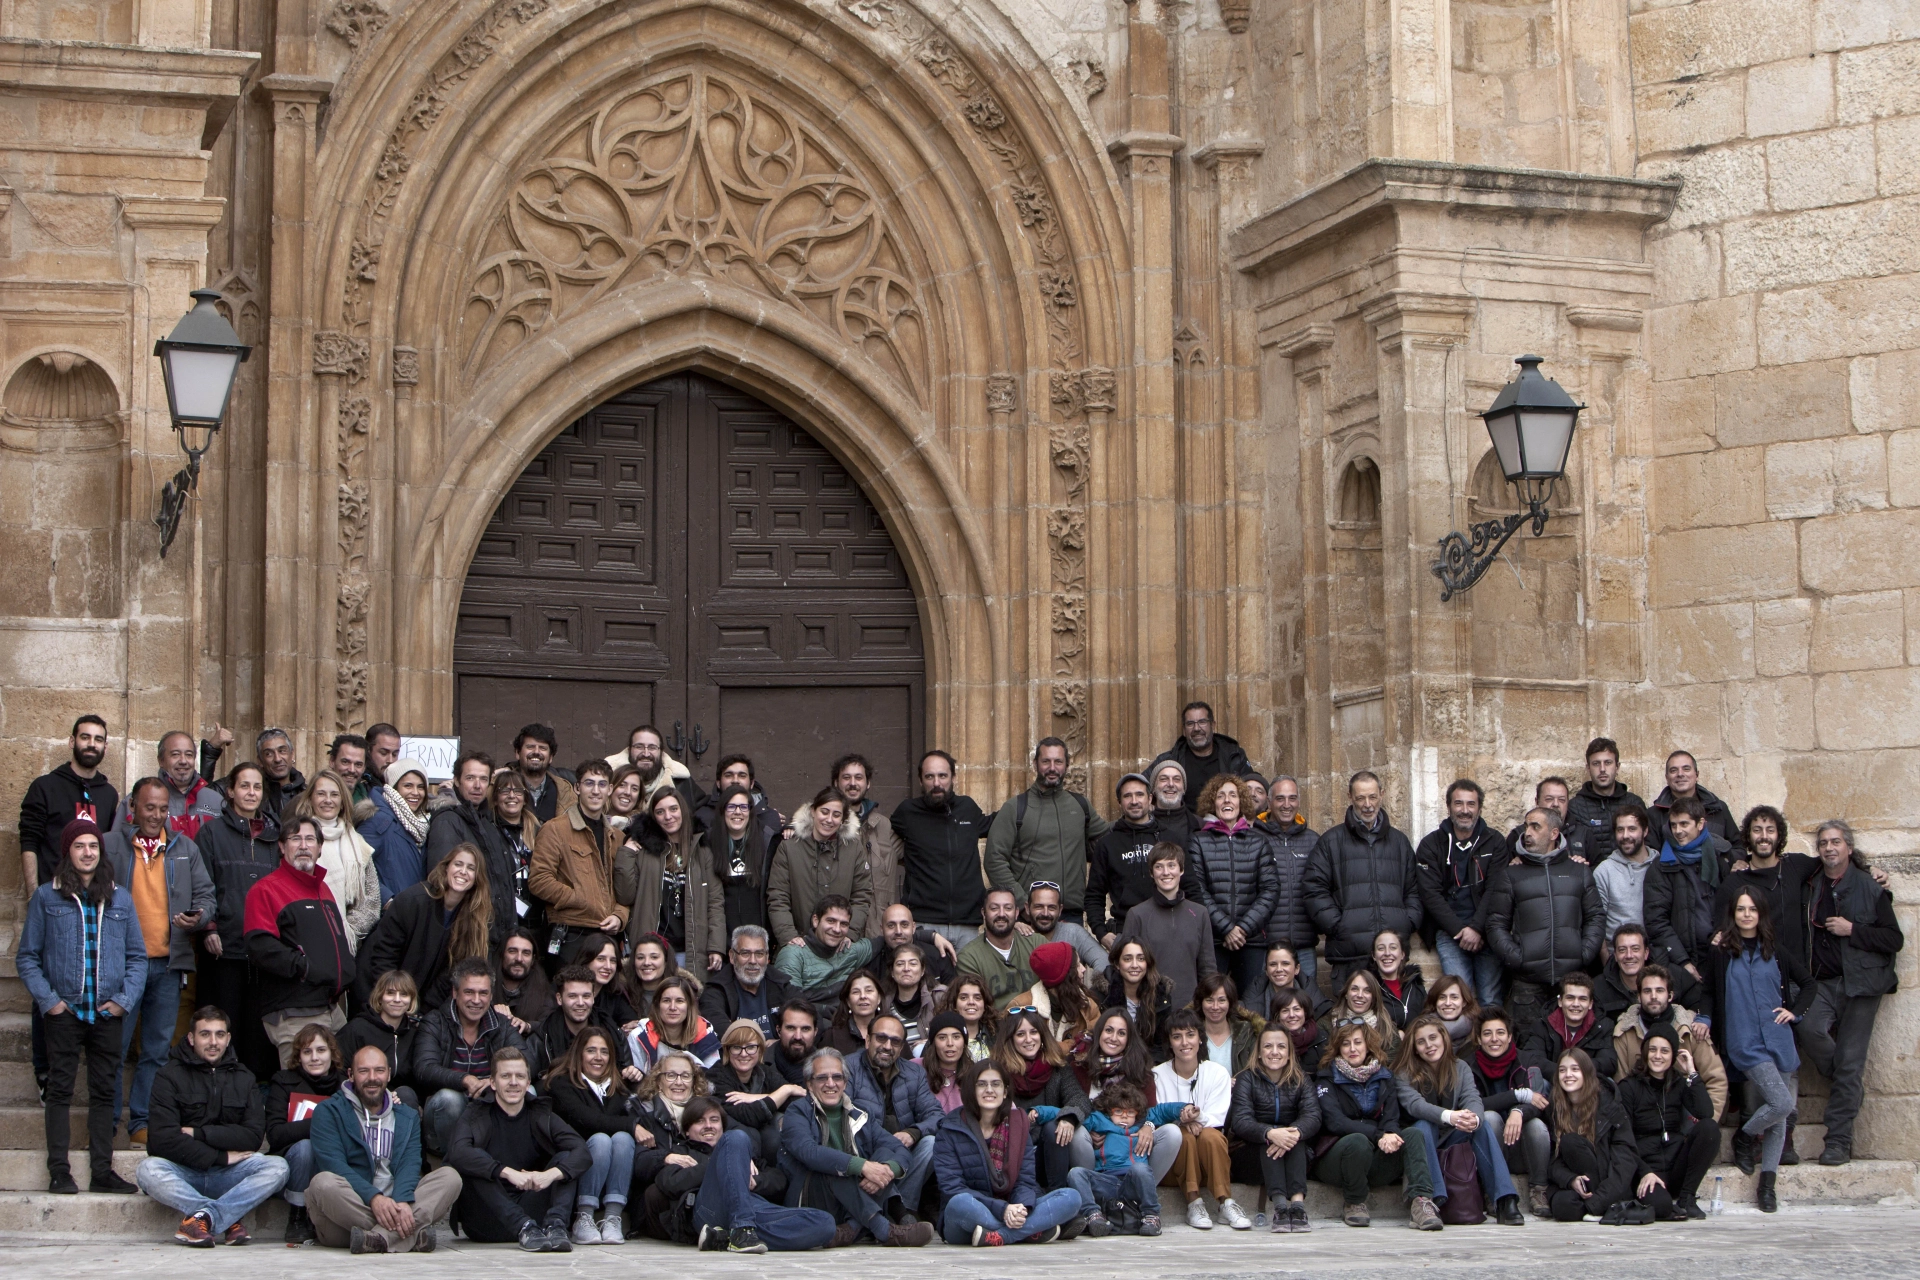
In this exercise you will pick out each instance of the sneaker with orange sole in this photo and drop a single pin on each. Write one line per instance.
(195, 1231)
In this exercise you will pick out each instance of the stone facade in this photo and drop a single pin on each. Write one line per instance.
(1156, 332)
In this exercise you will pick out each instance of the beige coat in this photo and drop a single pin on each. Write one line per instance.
(884, 852)
(573, 878)
(1629, 1031)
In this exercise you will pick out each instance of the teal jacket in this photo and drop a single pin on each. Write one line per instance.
(339, 1148)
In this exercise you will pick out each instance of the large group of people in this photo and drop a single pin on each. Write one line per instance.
(561, 1008)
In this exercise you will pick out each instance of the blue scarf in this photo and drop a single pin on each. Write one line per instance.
(1687, 854)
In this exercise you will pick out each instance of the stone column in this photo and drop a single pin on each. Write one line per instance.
(1422, 339)
(1310, 349)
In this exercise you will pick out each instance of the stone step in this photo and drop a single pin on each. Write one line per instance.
(1808, 1139)
(27, 1170)
(72, 1217)
(24, 1128)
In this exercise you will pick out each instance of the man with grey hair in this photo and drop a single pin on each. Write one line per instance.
(1852, 938)
(746, 986)
(841, 1159)
(1545, 919)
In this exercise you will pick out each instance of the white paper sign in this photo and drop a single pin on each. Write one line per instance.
(437, 754)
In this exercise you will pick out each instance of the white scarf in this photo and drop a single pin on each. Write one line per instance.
(415, 823)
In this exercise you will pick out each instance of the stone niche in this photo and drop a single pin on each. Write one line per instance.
(60, 482)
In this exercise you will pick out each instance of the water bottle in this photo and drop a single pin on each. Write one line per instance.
(1718, 1204)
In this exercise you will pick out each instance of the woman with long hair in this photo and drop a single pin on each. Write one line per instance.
(1059, 994)
(318, 1069)
(1671, 1121)
(351, 877)
(1038, 1075)
(858, 1005)
(432, 926)
(1116, 1053)
(589, 1094)
(1234, 876)
(968, 998)
(1452, 1000)
(393, 819)
(600, 954)
(674, 1026)
(240, 845)
(1274, 1115)
(1754, 1020)
(984, 1163)
(1291, 1008)
(737, 851)
(1361, 1000)
(824, 856)
(664, 874)
(650, 965)
(623, 808)
(906, 995)
(1365, 1139)
(944, 1057)
(1134, 983)
(1595, 1162)
(1438, 1091)
(510, 808)
(1229, 1031)
(1403, 988)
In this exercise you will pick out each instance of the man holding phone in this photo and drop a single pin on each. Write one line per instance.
(173, 896)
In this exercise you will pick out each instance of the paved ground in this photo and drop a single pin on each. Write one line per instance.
(1861, 1244)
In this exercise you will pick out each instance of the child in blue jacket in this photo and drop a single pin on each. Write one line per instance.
(1114, 1128)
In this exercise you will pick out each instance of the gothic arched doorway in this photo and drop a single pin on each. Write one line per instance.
(686, 555)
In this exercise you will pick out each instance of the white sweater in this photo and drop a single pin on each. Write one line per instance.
(1210, 1089)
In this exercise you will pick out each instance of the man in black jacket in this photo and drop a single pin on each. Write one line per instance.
(519, 1164)
(1851, 939)
(453, 1051)
(747, 987)
(1683, 779)
(1172, 820)
(1589, 812)
(1117, 873)
(553, 1035)
(940, 835)
(1291, 924)
(1453, 865)
(462, 819)
(285, 783)
(1201, 752)
(203, 1151)
(1360, 880)
(1544, 916)
(1680, 887)
(1619, 986)
(1576, 1024)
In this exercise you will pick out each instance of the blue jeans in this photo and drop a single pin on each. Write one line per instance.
(300, 1171)
(437, 1118)
(611, 1171)
(1495, 1182)
(158, 1011)
(726, 1201)
(1112, 1184)
(226, 1194)
(1480, 969)
(966, 1211)
(914, 1178)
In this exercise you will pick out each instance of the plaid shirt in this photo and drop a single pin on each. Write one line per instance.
(90, 961)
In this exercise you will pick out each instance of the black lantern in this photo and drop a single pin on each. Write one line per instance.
(1531, 423)
(200, 360)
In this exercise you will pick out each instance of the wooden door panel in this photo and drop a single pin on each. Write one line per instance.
(590, 717)
(795, 733)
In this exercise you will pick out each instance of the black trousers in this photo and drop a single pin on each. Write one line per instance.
(493, 1213)
(1685, 1168)
(1568, 1205)
(67, 1037)
(1283, 1179)
(227, 984)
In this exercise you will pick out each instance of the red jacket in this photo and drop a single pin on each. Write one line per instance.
(296, 940)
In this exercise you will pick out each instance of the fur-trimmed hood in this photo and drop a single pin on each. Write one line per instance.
(848, 838)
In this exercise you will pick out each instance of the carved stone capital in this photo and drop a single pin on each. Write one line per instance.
(1145, 153)
(1425, 318)
(406, 367)
(339, 355)
(1003, 393)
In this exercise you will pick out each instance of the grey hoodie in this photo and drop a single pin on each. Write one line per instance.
(1621, 884)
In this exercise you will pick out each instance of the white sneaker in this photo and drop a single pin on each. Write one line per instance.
(1236, 1216)
(1197, 1216)
(610, 1232)
(585, 1231)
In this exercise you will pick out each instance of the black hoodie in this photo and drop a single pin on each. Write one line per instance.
(940, 859)
(1119, 871)
(55, 799)
(1453, 877)
(1720, 820)
(202, 1110)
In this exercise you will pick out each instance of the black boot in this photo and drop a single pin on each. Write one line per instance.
(1507, 1210)
(1837, 1152)
(1787, 1154)
(1743, 1153)
(299, 1226)
(1768, 1202)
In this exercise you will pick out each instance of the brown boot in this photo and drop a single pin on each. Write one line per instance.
(914, 1236)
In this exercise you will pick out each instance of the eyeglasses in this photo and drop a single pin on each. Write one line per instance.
(676, 1075)
(884, 1039)
(830, 1077)
(1023, 1008)
(595, 783)
(739, 808)
(750, 955)
(1043, 884)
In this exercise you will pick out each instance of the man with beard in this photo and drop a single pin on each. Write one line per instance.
(852, 777)
(894, 1093)
(1000, 956)
(1551, 793)
(460, 819)
(1201, 753)
(1622, 876)
(897, 929)
(1172, 819)
(647, 752)
(1043, 920)
(746, 988)
(1619, 986)
(1118, 873)
(347, 756)
(799, 1026)
(523, 995)
(1656, 1008)
(737, 771)
(383, 748)
(273, 749)
(553, 1035)
(1045, 833)
(1590, 814)
(76, 789)
(549, 790)
(940, 835)
(828, 955)
(1453, 864)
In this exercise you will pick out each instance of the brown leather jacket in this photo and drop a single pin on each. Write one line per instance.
(571, 876)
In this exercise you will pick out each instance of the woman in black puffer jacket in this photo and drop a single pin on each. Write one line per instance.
(1038, 1075)
(1232, 875)
(1595, 1163)
(1673, 1125)
(1274, 1116)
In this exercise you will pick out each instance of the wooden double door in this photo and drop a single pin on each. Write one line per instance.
(686, 556)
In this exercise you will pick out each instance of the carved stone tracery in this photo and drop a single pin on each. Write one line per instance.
(696, 175)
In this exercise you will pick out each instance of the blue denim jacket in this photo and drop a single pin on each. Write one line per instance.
(48, 955)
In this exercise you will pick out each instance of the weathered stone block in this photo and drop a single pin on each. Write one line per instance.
(1903, 468)
(1820, 477)
(1859, 632)
(1713, 35)
(1878, 82)
(1871, 787)
(1720, 184)
(1693, 490)
(1897, 150)
(1848, 24)
(1703, 643)
(1782, 633)
(1674, 117)
(1835, 166)
(1770, 716)
(1786, 402)
(1709, 566)
(1702, 337)
(1686, 265)
(1843, 319)
(1683, 416)
(1821, 244)
(1864, 551)
(1790, 97)
(1868, 710)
